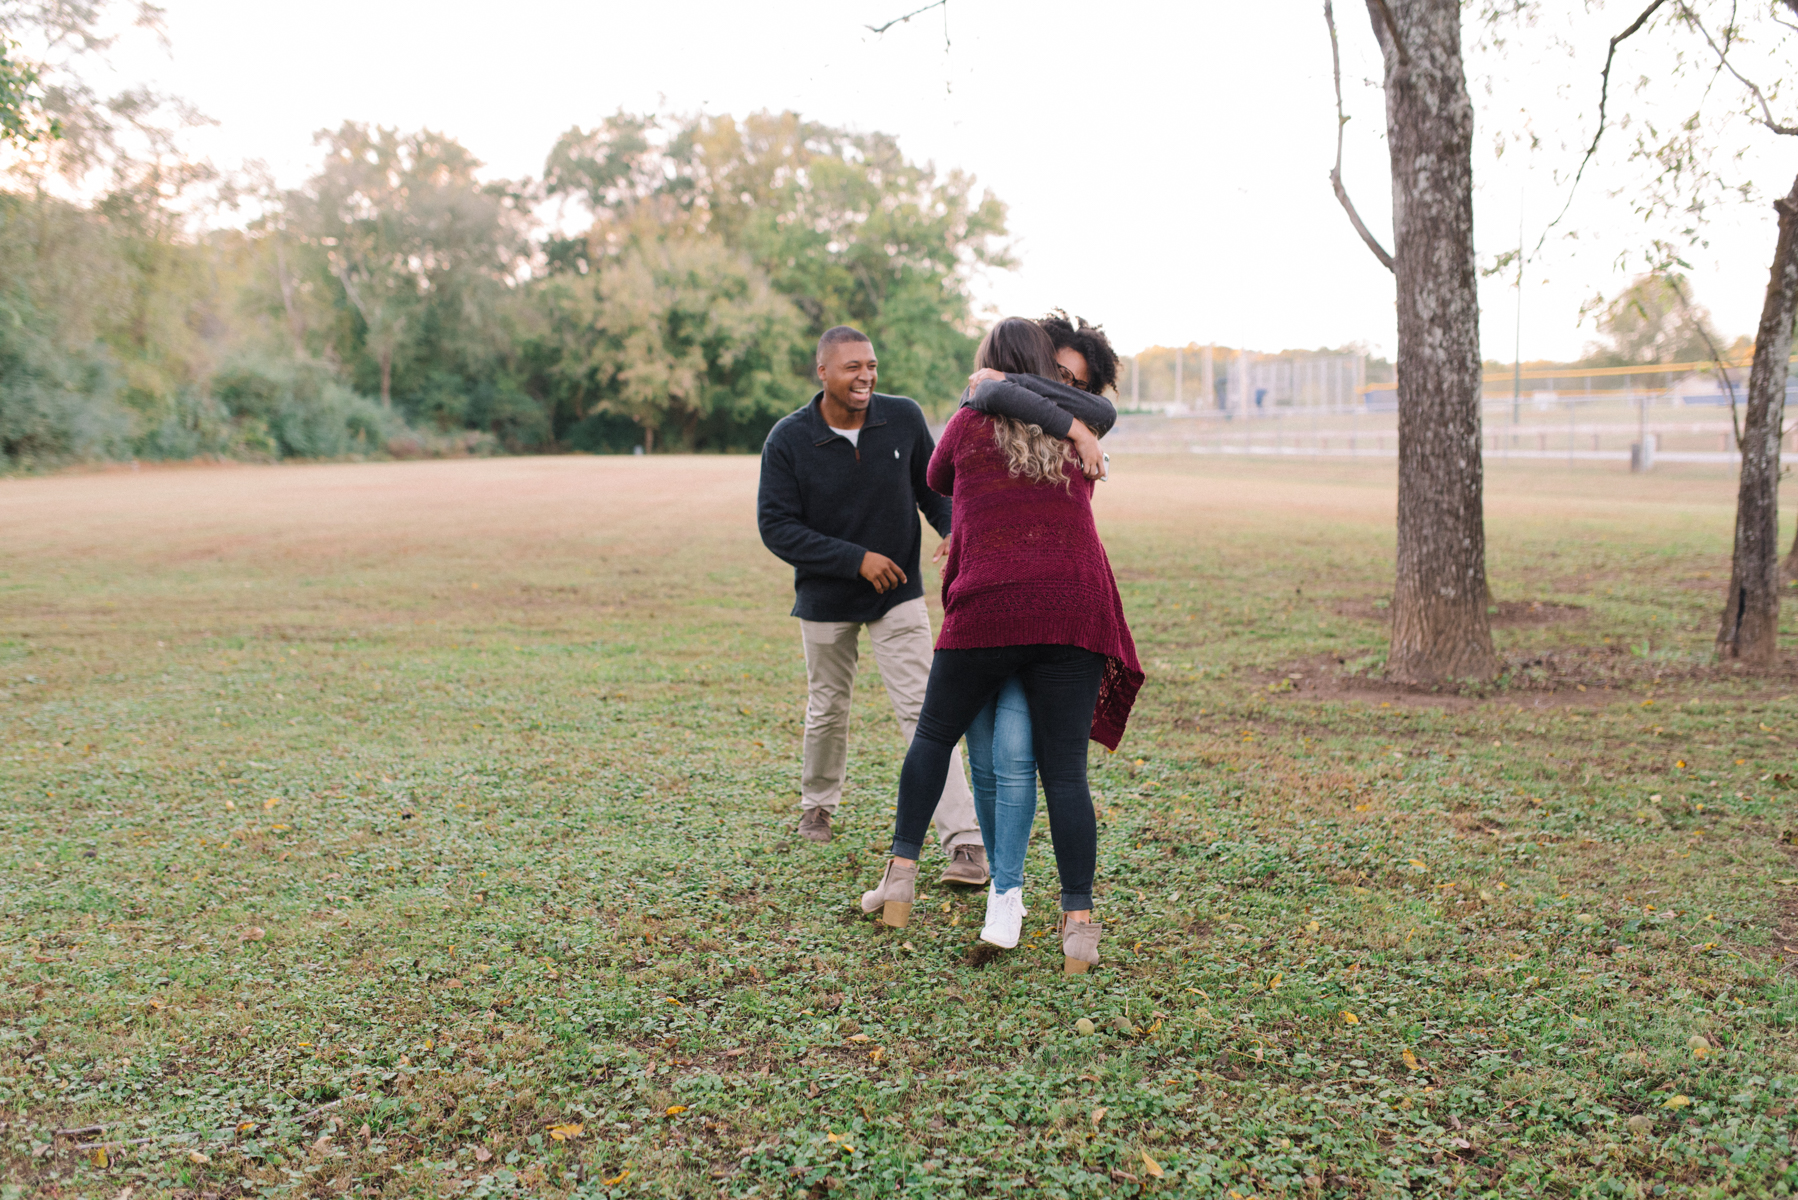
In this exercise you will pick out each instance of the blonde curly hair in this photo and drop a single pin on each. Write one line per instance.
(1031, 453)
(1020, 347)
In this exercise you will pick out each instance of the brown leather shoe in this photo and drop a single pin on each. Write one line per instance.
(814, 826)
(967, 864)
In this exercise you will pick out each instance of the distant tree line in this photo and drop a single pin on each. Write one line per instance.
(399, 302)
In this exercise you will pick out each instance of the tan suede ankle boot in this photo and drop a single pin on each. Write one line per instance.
(894, 896)
(1079, 945)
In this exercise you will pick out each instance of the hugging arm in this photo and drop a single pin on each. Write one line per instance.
(1047, 403)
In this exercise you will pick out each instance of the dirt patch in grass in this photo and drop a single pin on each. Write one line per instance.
(1567, 676)
(1327, 678)
(1511, 614)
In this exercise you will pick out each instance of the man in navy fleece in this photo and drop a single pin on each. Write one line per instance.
(842, 486)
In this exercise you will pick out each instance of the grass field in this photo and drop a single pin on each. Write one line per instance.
(426, 829)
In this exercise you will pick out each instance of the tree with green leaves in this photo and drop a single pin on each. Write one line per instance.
(22, 119)
(674, 332)
(843, 226)
(401, 221)
(1653, 320)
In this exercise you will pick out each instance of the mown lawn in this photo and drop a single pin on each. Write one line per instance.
(425, 829)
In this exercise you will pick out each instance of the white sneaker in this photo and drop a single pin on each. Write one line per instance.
(1004, 917)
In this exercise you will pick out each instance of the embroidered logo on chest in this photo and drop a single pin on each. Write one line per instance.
(895, 454)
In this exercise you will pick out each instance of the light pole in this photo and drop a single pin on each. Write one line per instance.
(1517, 332)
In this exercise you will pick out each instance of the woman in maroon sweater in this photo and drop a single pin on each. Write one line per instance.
(1027, 591)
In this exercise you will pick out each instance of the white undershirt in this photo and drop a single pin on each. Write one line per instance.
(854, 435)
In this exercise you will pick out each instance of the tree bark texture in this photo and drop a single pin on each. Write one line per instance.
(1750, 629)
(1440, 628)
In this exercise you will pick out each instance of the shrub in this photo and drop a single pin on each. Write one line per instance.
(305, 410)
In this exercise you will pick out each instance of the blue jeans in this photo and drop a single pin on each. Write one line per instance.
(1003, 761)
(1061, 684)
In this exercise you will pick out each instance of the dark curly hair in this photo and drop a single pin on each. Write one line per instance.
(1089, 342)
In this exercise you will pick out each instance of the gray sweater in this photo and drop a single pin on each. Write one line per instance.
(1046, 403)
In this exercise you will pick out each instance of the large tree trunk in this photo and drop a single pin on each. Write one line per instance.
(1440, 628)
(1750, 628)
(387, 376)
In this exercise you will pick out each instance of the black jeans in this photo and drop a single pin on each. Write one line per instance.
(1062, 685)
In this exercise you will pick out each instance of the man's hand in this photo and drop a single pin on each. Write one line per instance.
(1092, 459)
(942, 549)
(882, 572)
(983, 375)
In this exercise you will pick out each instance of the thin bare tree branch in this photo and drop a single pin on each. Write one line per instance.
(1716, 356)
(1342, 195)
(1722, 53)
(1604, 97)
(908, 16)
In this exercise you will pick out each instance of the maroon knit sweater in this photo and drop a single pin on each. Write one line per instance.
(1026, 566)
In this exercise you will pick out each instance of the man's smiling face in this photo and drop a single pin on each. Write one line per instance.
(849, 373)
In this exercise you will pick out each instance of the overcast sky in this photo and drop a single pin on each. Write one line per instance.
(1165, 164)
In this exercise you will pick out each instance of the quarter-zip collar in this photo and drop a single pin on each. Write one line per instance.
(821, 430)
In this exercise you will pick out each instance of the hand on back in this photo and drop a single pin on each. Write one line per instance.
(1092, 459)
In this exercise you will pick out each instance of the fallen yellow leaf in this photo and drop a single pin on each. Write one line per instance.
(1349, 1018)
(565, 1133)
(271, 802)
(875, 1053)
(675, 1110)
(617, 1179)
(1150, 1166)
(196, 1156)
(1677, 1102)
(1418, 863)
(858, 1037)
(1273, 984)
(1411, 1060)
(1099, 1114)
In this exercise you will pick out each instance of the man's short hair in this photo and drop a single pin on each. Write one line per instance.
(1089, 342)
(838, 334)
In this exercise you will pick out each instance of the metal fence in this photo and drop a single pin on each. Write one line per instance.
(1678, 410)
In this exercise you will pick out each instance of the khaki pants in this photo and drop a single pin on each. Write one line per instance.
(902, 649)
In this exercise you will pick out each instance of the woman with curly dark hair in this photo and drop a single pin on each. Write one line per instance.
(1027, 592)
